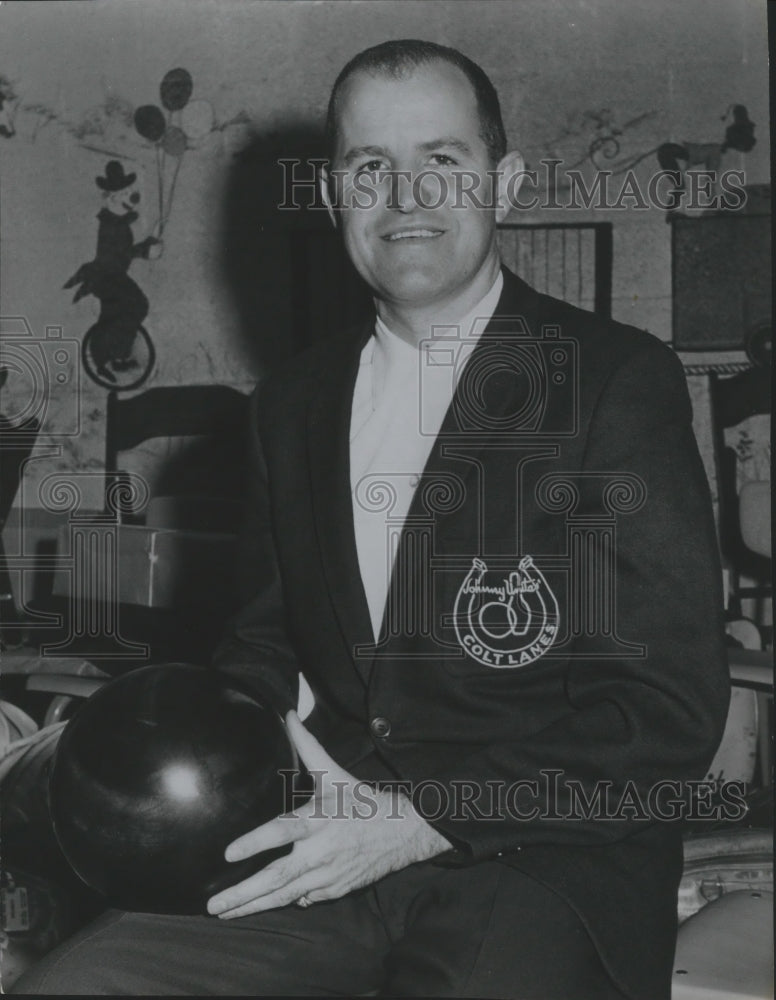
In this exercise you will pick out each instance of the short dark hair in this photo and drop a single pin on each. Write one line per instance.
(398, 58)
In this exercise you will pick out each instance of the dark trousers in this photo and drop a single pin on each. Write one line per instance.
(483, 931)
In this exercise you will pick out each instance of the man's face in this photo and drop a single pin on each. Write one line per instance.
(408, 250)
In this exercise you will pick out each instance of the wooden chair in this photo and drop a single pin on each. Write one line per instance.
(215, 415)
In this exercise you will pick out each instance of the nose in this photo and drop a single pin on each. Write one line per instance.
(135, 197)
(402, 191)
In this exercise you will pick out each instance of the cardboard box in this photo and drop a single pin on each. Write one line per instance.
(146, 566)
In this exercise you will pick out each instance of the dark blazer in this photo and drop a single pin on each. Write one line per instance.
(569, 439)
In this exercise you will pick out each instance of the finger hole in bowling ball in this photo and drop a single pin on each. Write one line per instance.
(156, 774)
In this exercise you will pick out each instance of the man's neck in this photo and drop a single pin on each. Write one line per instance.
(413, 323)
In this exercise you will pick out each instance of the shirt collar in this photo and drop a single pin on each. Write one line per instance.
(392, 355)
(471, 325)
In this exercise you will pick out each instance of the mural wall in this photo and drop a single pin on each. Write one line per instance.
(135, 137)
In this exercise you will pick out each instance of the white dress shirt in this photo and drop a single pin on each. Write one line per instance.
(400, 399)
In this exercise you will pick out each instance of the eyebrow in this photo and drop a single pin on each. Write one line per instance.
(449, 142)
(446, 142)
(358, 151)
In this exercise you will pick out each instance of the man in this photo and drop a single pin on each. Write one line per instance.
(480, 528)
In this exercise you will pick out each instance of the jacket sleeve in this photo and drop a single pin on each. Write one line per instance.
(256, 648)
(634, 721)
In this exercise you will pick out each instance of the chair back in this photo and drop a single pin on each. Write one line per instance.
(216, 415)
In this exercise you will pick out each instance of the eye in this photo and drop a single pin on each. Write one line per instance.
(443, 160)
(371, 167)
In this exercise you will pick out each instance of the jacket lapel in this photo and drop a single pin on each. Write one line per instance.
(328, 436)
(479, 419)
(471, 423)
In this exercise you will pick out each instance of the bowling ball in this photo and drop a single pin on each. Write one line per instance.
(155, 774)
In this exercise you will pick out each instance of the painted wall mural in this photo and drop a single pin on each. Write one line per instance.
(7, 108)
(117, 350)
(187, 122)
(604, 143)
(190, 104)
(678, 157)
(119, 329)
(599, 139)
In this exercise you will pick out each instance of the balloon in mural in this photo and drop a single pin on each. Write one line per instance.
(175, 89)
(149, 122)
(197, 119)
(174, 141)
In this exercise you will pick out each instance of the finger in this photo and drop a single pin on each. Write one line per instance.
(285, 829)
(272, 901)
(279, 884)
(313, 755)
(285, 896)
(275, 876)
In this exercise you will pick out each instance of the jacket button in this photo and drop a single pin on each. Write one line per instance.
(380, 727)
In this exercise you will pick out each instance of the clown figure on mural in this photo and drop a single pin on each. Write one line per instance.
(480, 529)
(123, 306)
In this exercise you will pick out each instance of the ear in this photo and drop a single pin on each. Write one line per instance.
(510, 173)
(323, 181)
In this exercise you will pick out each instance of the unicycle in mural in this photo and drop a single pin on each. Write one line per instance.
(127, 371)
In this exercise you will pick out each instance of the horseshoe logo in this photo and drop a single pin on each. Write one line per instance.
(506, 621)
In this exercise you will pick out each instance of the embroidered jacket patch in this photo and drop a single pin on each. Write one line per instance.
(505, 620)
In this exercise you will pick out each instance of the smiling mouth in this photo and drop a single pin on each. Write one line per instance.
(413, 234)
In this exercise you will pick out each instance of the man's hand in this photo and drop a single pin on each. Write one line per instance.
(348, 835)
